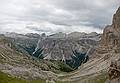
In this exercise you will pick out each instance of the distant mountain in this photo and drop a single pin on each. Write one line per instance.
(32, 35)
(58, 35)
(72, 49)
(67, 47)
(76, 35)
(24, 43)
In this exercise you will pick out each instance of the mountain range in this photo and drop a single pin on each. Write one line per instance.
(73, 49)
(88, 57)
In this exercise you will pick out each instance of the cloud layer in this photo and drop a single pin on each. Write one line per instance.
(50, 16)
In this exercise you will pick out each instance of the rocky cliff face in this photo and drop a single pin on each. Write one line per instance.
(58, 48)
(109, 48)
(71, 49)
(111, 34)
(114, 70)
(110, 40)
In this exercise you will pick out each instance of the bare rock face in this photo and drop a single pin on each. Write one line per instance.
(109, 48)
(114, 70)
(116, 20)
(73, 50)
(111, 42)
(63, 48)
(111, 34)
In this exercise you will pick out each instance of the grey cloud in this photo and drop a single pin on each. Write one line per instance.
(60, 14)
(38, 29)
(97, 12)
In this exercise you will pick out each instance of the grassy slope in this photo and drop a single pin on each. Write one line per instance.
(5, 78)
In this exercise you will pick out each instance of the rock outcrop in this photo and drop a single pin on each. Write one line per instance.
(109, 48)
(114, 41)
(111, 34)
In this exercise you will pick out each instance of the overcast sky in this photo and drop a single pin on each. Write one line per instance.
(51, 16)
